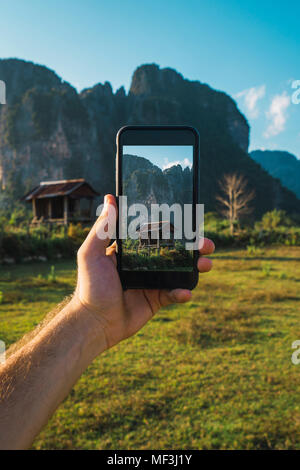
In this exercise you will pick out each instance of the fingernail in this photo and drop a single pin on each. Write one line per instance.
(108, 199)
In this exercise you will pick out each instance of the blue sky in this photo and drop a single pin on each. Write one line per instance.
(163, 156)
(248, 49)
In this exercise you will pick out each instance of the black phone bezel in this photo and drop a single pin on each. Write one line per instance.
(158, 279)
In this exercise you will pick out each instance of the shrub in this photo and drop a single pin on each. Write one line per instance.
(20, 245)
(77, 233)
(266, 269)
(273, 219)
(52, 275)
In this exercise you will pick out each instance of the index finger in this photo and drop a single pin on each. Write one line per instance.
(207, 246)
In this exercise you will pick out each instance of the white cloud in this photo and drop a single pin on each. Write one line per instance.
(277, 114)
(184, 163)
(251, 97)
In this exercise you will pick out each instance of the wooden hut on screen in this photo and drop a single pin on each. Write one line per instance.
(152, 235)
(62, 202)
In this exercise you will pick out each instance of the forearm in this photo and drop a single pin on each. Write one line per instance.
(36, 379)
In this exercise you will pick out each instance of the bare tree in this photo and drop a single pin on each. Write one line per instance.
(235, 197)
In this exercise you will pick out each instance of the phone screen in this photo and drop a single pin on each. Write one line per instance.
(157, 183)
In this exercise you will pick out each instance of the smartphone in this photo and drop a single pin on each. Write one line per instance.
(157, 187)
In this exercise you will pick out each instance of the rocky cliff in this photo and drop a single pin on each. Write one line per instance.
(147, 184)
(48, 130)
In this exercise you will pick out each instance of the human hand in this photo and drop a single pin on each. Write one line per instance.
(99, 291)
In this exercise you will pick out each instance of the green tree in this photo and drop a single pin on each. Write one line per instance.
(276, 218)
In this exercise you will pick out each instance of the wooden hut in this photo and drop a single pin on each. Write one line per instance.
(61, 202)
(151, 235)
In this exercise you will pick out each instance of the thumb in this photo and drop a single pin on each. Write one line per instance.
(103, 229)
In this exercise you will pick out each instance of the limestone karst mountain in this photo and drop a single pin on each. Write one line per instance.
(145, 183)
(50, 131)
(282, 165)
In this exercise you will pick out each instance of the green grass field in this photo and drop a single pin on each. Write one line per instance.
(214, 373)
